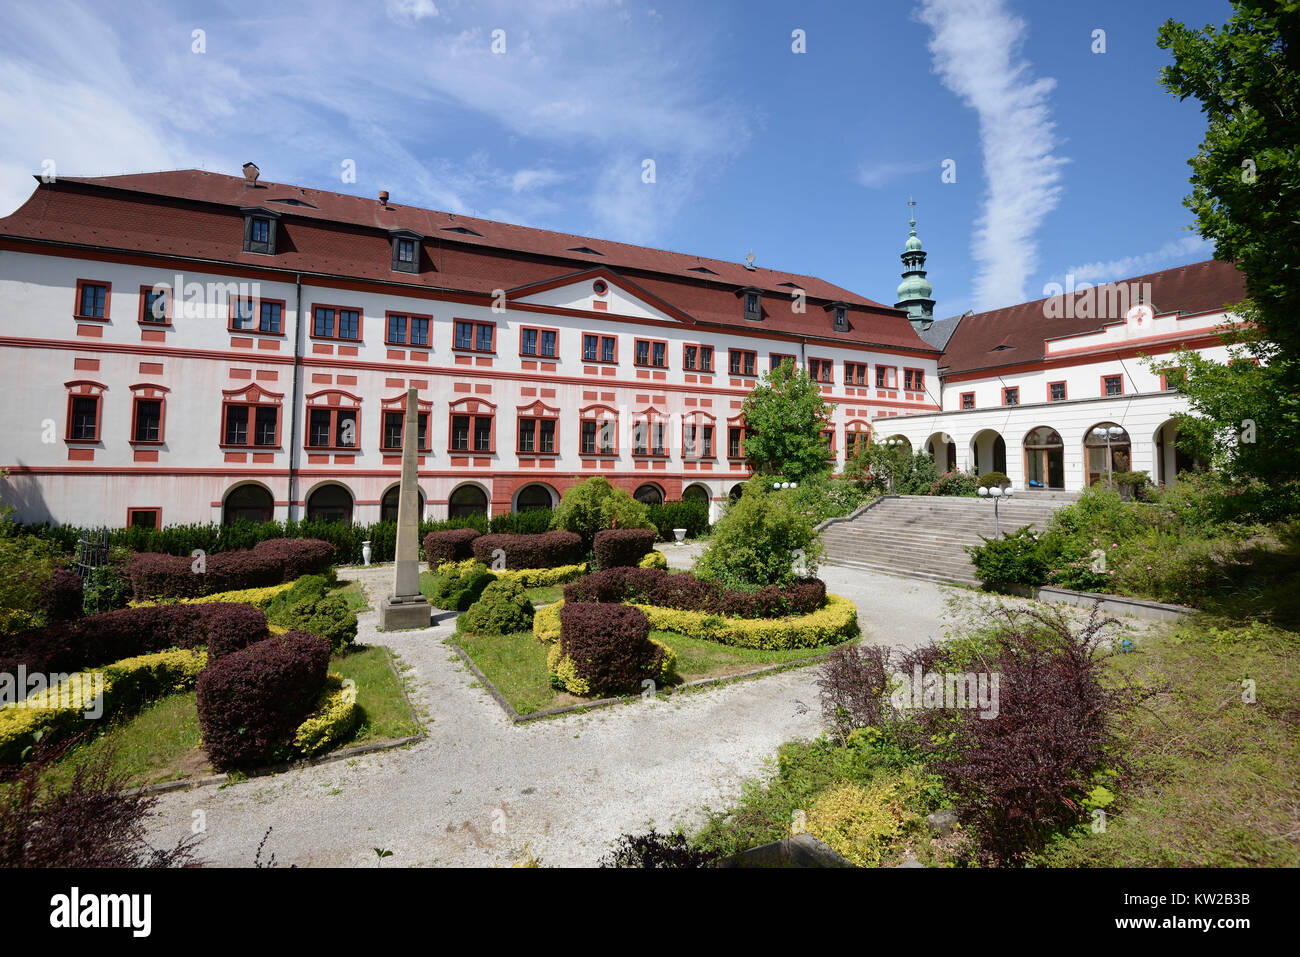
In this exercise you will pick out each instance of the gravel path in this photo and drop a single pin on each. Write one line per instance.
(479, 790)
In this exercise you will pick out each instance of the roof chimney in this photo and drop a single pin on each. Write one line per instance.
(251, 172)
(383, 196)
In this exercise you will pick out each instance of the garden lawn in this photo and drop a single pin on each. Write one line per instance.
(161, 742)
(353, 594)
(516, 664)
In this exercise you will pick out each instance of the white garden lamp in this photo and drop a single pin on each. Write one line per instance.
(996, 494)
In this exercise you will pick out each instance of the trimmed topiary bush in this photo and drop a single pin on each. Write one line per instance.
(61, 597)
(231, 627)
(609, 646)
(991, 479)
(252, 702)
(653, 560)
(759, 541)
(588, 507)
(622, 547)
(546, 550)
(307, 607)
(268, 563)
(453, 545)
(502, 609)
(459, 585)
(685, 591)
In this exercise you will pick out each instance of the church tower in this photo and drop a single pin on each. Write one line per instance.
(914, 291)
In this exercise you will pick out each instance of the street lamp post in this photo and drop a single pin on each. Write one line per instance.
(996, 494)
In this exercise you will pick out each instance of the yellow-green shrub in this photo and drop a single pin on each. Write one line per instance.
(527, 577)
(834, 622)
(564, 672)
(126, 685)
(860, 823)
(546, 622)
(653, 560)
(333, 721)
(257, 597)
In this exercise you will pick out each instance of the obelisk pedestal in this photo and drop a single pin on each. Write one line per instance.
(406, 607)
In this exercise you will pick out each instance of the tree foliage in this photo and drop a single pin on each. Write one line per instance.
(784, 419)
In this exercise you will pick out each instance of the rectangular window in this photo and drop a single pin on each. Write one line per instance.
(752, 308)
(841, 319)
(266, 418)
(483, 336)
(271, 318)
(1056, 391)
(828, 439)
(690, 355)
(406, 251)
(332, 429)
(886, 377)
(536, 435)
(641, 355)
(546, 435)
(1113, 385)
(742, 362)
(590, 347)
(855, 373)
(968, 400)
(527, 435)
(92, 300)
(608, 349)
(260, 230)
(475, 336)
(460, 433)
(419, 331)
(548, 344)
(588, 437)
(528, 342)
(396, 329)
(322, 324)
(148, 420)
(914, 379)
(464, 335)
(84, 419)
(820, 370)
(1011, 395)
(706, 358)
(538, 342)
(659, 355)
(482, 433)
(597, 436)
(142, 517)
(854, 440)
(236, 431)
(776, 358)
(395, 423)
(1171, 380)
(241, 315)
(154, 308)
(349, 324)
(648, 438)
(735, 443)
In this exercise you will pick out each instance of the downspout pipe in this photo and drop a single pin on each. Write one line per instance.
(297, 399)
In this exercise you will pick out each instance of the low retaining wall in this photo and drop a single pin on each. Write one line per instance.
(856, 512)
(1116, 604)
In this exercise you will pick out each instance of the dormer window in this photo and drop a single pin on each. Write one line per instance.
(753, 305)
(406, 251)
(841, 319)
(259, 231)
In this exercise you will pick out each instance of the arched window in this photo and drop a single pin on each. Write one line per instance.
(1106, 450)
(248, 503)
(695, 493)
(467, 500)
(1044, 458)
(330, 503)
(533, 497)
(389, 503)
(735, 493)
(649, 495)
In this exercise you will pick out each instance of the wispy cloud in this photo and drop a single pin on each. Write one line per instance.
(410, 91)
(874, 175)
(1177, 252)
(975, 45)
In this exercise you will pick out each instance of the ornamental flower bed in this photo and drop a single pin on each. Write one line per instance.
(268, 563)
(686, 592)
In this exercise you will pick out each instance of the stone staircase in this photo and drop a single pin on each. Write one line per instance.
(921, 536)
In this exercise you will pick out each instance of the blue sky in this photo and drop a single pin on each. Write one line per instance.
(1066, 160)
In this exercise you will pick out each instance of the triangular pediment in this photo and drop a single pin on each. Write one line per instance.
(599, 292)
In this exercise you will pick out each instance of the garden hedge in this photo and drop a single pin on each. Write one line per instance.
(252, 702)
(269, 563)
(453, 545)
(690, 514)
(61, 596)
(605, 649)
(127, 632)
(655, 586)
(833, 623)
(546, 550)
(502, 609)
(333, 720)
(622, 547)
(126, 686)
(457, 585)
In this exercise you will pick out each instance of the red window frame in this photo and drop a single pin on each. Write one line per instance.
(736, 425)
(334, 323)
(333, 401)
(148, 392)
(554, 357)
(406, 330)
(855, 432)
(1007, 390)
(1113, 375)
(828, 434)
(1065, 391)
(256, 328)
(252, 397)
(732, 353)
(108, 300)
(168, 313)
(600, 348)
(474, 325)
(397, 405)
(84, 389)
(889, 374)
(157, 513)
(821, 370)
(650, 417)
(1164, 378)
(472, 409)
(964, 396)
(650, 353)
(699, 421)
(699, 355)
(918, 379)
(607, 415)
(537, 413)
(850, 368)
(774, 359)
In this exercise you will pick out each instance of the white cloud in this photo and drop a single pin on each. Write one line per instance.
(411, 10)
(975, 45)
(876, 175)
(1178, 251)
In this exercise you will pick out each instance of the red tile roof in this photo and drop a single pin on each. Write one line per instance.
(196, 214)
(1017, 333)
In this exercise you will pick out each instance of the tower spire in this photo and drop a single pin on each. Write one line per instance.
(915, 291)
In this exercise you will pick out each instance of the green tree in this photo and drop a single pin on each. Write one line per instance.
(588, 507)
(764, 538)
(784, 419)
(1246, 197)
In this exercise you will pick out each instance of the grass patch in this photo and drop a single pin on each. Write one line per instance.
(545, 594)
(516, 664)
(379, 692)
(353, 594)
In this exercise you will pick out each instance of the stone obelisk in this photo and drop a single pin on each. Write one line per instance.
(406, 607)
